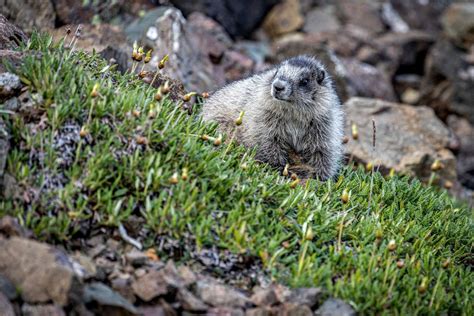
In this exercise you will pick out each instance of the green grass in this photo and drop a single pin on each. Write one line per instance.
(304, 236)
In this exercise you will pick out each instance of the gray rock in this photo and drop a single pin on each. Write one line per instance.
(364, 14)
(464, 132)
(421, 15)
(41, 272)
(4, 148)
(216, 294)
(190, 302)
(7, 288)
(136, 257)
(10, 35)
(10, 84)
(335, 307)
(42, 310)
(106, 301)
(321, 19)
(408, 138)
(391, 17)
(448, 85)
(458, 23)
(151, 285)
(264, 296)
(259, 311)
(225, 311)
(29, 14)
(305, 296)
(6, 307)
(293, 309)
(367, 81)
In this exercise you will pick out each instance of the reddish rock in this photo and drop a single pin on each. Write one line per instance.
(42, 272)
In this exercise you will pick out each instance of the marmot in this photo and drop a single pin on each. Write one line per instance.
(292, 114)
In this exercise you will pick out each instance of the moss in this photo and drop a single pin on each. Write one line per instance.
(130, 163)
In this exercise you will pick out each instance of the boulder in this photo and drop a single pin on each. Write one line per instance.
(218, 295)
(335, 307)
(284, 18)
(408, 138)
(41, 272)
(198, 50)
(42, 310)
(10, 85)
(361, 13)
(464, 132)
(6, 307)
(367, 81)
(448, 85)
(239, 18)
(29, 14)
(10, 35)
(458, 23)
(421, 15)
(321, 19)
(102, 300)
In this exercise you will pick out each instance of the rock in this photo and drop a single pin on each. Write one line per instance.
(123, 286)
(154, 284)
(225, 311)
(10, 57)
(10, 35)
(304, 296)
(144, 26)
(198, 50)
(264, 296)
(361, 13)
(10, 227)
(284, 18)
(448, 85)
(410, 147)
(321, 19)
(42, 310)
(391, 17)
(421, 15)
(367, 81)
(291, 309)
(6, 308)
(216, 294)
(458, 23)
(83, 266)
(239, 18)
(75, 12)
(259, 311)
(41, 272)
(10, 85)
(136, 257)
(187, 276)
(28, 14)
(7, 288)
(102, 300)
(335, 307)
(404, 53)
(464, 131)
(189, 302)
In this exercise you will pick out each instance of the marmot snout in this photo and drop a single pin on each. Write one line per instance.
(292, 115)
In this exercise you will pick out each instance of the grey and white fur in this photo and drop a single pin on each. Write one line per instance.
(291, 111)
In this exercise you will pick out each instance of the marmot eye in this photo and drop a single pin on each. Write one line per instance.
(304, 82)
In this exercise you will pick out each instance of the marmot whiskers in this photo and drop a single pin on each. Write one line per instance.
(292, 115)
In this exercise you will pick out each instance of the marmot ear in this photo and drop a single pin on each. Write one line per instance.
(320, 76)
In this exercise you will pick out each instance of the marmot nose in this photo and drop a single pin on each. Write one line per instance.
(278, 86)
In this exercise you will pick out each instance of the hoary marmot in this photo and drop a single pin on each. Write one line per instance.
(291, 114)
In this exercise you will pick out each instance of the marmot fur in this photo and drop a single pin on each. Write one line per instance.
(292, 115)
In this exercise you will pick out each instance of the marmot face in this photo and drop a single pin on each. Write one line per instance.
(300, 81)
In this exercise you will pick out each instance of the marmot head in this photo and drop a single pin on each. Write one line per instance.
(301, 80)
